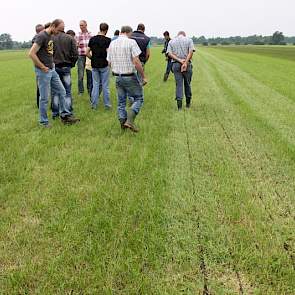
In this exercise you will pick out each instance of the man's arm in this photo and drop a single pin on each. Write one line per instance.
(174, 57)
(139, 68)
(148, 54)
(187, 60)
(33, 55)
(88, 53)
(74, 55)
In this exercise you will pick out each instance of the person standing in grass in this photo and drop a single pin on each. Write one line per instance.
(39, 28)
(65, 57)
(123, 57)
(97, 52)
(164, 51)
(181, 50)
(41, 54)
(82, 41)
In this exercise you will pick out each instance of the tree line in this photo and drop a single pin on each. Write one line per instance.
(278, 38)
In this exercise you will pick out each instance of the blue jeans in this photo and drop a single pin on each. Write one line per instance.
(183, 80)
(128, 86)
(65, 77)
(100, 78)
(45, 82)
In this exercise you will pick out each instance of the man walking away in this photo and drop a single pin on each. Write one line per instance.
(168, 59)
(123, 57)
(39, 28)
(97, 52)
(82, 40)
(181, 50)
(116, 35)
(65, 57)
(144, 43)
(41, 54)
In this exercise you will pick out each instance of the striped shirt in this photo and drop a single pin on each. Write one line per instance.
(82, 42)
(181, 46)
(121, 53)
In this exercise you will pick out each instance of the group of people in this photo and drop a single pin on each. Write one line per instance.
(55, 52)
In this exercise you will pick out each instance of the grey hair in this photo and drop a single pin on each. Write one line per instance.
(126, 29)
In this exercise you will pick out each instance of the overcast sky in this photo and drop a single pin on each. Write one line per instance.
(211, 18)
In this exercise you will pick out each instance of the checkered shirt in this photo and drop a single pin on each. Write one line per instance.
(82, 41)
(181, 46)
(121, 53)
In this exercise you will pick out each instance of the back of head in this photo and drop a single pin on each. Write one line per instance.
(117, 33)
(166, 33)
(103, 27)
(141, 27)
(39, 28)
(182, 33)
(126, 30)
(71, 33)
(47, 25)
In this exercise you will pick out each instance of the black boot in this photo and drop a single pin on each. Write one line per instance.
(188, 103)
(179, 105)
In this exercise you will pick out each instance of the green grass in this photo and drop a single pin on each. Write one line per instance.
(199, 202)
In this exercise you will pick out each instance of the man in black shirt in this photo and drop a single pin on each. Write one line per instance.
(65, 57)
(169, 60)
(97, 52)
(41, 54)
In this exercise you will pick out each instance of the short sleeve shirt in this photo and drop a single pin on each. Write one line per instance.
(181, 46)
(121, 53)
(45, 53)
(99, 45)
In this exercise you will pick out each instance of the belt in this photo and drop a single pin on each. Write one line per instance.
(124, 75)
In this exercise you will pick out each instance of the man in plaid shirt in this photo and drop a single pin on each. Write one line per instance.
(82, 43)
(123, 57)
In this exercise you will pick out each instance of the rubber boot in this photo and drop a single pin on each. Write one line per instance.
(130, 121)
(179, 105)
(188, 102)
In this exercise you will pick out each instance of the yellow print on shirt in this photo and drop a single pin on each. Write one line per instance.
(50, 47)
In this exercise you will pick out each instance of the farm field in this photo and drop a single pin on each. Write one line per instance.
(201, 201)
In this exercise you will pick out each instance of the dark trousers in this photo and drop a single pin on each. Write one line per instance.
(183, 81)
(89, 82)
(38, 96)
(169, 66)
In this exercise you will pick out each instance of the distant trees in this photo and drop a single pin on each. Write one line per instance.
(278, 38)
(6, 41)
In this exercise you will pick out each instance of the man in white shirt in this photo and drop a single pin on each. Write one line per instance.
(123, 57)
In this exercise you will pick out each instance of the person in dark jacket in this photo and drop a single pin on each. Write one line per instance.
(144, 43)
(65, 58)
(168, 59)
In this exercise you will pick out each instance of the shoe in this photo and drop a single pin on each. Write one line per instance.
(46, 126)
(122, 123)
(70, 120)
(55, 117)
(188, 103)
(108, 108)
(130, 121)
(166, 76)
(179, 105)
(131, 126)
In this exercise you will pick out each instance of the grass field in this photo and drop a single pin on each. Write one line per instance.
(199, 202)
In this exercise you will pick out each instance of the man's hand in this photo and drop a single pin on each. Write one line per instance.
(45, 69)
(144, 81)
(184, 67)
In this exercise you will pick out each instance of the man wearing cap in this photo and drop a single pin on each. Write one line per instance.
(123, 57)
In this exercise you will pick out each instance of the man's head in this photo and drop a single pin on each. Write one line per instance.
(83, 26)
(39, 28)
(71, 33)
(126, 30)
(47, 25)
(57, 26)
(103, 27)
(166, 35)
(182, 33)
(117, 33)
(141, 28)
